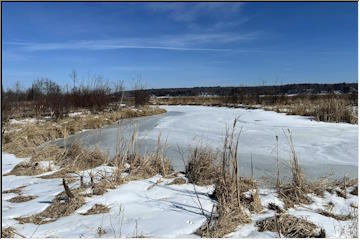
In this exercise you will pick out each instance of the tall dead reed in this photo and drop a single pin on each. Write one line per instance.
(296, 191)
(232, 192)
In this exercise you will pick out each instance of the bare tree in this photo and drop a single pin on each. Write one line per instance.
(119, 92)
(141, 96)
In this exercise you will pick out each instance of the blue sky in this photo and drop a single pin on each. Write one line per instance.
(180, 44)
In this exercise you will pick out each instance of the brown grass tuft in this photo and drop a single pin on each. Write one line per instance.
(296, 191)
(178, 181)
(97, 209)
(60, 207)
(339, 217)
(78, 158)
(276, 208)
(354, 191)
(26, 169)
(252, 202)
(230, 191)
(14, 190)
(8, 232)
(290, 227)
(58, 174)
(101, 187)
(146, 166)
(201, 168)
(47, 152)
(21, 198)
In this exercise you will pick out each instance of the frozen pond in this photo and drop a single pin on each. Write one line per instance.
(322, 148)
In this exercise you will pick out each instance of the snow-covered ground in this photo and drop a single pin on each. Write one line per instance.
(147, 209)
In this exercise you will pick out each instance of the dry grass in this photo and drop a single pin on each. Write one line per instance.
(58, 174)
(97, 209)
(276, 208)
(48, 152)
(75, 158)
(21, 198)
(78, 158)
(252, 201)
(201, 169)
(101, 187)
(328, 108)
(230, 193)
(290, 227)
(8, 232)
(146, 166)
(142, 166)
(61, 206)
(14, 190)
(23, 142)
(296, 191)
(292, 195)
(26, 169)
(354, 191)
(339, 217)
(178, 181)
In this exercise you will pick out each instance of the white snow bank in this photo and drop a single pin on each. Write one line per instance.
(24, 121)
(148, 209)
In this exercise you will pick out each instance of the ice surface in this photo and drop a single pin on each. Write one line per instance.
(322, 148)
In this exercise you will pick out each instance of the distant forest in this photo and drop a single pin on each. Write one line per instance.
(344, 88)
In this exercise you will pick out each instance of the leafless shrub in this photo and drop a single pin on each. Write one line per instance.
(140, 95)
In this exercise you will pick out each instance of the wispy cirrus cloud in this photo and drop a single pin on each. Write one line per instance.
(98, 45)
(187, 12)
(185, 42)
(205, 16)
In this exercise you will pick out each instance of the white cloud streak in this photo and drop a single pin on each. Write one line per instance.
(188, 12)
(186, 42)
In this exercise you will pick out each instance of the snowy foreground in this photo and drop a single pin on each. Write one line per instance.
(144, 208)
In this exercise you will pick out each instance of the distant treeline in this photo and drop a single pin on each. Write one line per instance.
(258, 90)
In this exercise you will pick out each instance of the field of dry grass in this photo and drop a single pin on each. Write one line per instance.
(22, 139)
(327, 108)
